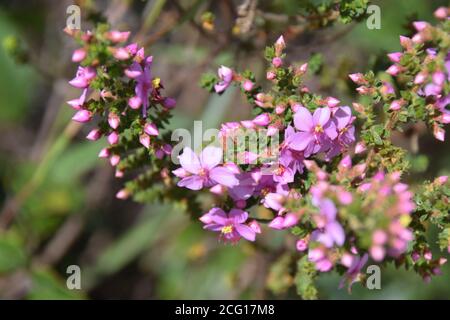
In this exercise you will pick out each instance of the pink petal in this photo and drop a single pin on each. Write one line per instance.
(239, 216)
(191, 182)
(211, 157)
(246, 232)
(189, 161)
(303, 120)
(321, 116)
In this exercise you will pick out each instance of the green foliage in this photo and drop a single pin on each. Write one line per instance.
(304, 279)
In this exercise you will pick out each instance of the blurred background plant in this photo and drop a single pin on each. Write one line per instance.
(57, 199)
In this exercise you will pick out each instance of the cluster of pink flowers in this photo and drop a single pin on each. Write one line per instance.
(328, 130)
(136, 73)
(429, 81)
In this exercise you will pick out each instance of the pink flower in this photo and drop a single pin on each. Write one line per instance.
(329, 230)
(204, 170)
(230, 225)
(141, 72)
(314, 130)
(354, 271)
(83, 77)
(225, 76)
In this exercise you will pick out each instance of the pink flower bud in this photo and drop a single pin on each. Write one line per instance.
(79, 55)
(94, 135)
(396, 105)
(277, 223)
(363, 90)
(247, 85)
(277, 62)
(332, 102)
(428, 255)
(262, 119)
(122, 194)
(395, 56)
(113, 120)
(290, 220)
(169, 103)
(405, 42)
(280, 109)
(393, 70)
(248, 124)
(104, 153)
(113, 138)
(441, 13)
(357, 78)
(415, 256)
(439, 133)
(301, 245)
(420, 25)
(117, 36)
(360, 147)
(121, 53)
(441, 180)
(132, 48)
(420, 78)
(119, 173)
(151, 129)
(280, 45)
(82, 116)
(303, 68)
(377, 253)
(134, 102)
(144, 139)
(345, 163)
(114, 160)
(270, 75)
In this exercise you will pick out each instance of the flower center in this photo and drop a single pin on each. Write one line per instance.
(280, 170)
(265, 191)
(202, 172)
(318, 129)
(227, 229)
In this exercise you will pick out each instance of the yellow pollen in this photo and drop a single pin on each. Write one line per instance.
(280, 170)
(227, 229)
(318, 128)
(265, 191)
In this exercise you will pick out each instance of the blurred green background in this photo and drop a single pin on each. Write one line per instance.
(62, 195)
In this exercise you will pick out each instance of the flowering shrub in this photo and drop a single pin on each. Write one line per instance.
(325, 171)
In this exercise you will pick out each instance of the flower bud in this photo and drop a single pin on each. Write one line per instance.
(82, 116)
